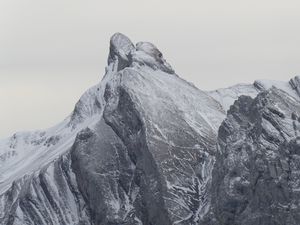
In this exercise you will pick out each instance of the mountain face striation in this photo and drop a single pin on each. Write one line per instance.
(145, 147)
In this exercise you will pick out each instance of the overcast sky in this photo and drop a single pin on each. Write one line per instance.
(51, 51)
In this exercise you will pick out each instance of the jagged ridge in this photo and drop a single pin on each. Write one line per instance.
(140, 148)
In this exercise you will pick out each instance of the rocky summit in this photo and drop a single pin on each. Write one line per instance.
(145, 147)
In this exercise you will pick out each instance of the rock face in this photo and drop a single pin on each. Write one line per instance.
(145, 147)
(256, 175)
(138, 149)
(49, 196)
(148, 159)
(295, 83)
(226, 96)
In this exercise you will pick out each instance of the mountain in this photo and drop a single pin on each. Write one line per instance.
(146, 147)
(227, 96)
(256, 175)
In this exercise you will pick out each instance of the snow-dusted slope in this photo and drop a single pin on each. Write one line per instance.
(138, 149)
(161, 130)
(227, 96)
(288, 87)
(175, 135)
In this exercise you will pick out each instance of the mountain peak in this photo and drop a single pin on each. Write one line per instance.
(144, 146)
(120, 50)
(147, 53)
(123, 53)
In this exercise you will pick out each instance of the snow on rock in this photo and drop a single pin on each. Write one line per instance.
(120, 50)
(89, 105)
(25, 153)
(48, 196)
(284, 86)
(147, 53)
(127, 138)
(256, 174)
(227, 96)
(140, 148)
(295, 83)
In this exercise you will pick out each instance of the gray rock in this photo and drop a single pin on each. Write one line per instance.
(256, 175)
(295, 83)
(145, 147)
(50, 196)
(120, 50)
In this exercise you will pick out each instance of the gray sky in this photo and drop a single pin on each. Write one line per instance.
(52, 51)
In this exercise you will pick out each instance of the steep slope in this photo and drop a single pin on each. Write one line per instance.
(155, 167)
(145, 158)
(26, 152)
(47, 196)
(37, 183)
(256, 175)
(227, 96)
(146, 147)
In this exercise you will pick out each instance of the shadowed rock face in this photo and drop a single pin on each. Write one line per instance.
(256, 174)
(49, 196)
(295, 83)
(147, 161)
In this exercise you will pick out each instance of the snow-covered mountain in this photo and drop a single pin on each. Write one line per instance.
(146, 147)
(227, 96)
